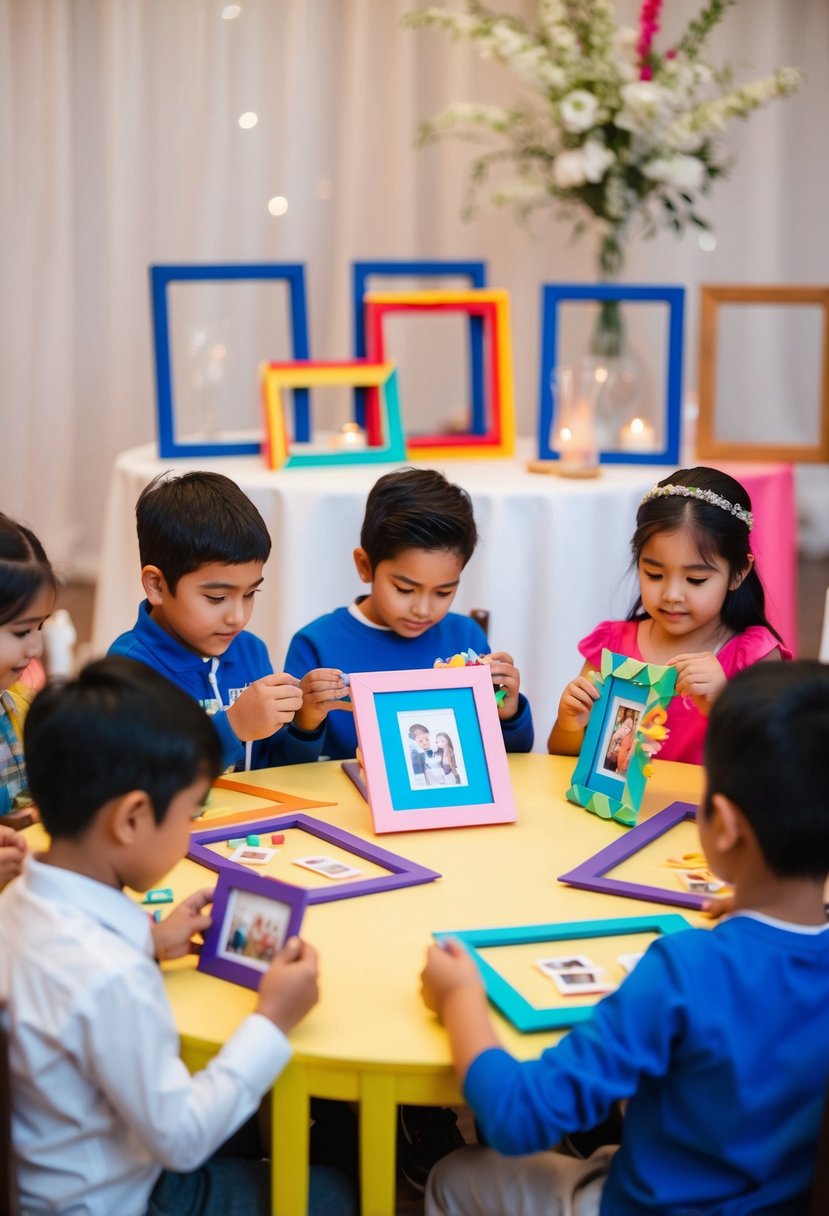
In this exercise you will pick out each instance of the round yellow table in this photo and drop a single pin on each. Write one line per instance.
(370, 1040)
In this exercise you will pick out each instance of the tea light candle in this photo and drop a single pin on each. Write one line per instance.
(351, 436)
(637, 436)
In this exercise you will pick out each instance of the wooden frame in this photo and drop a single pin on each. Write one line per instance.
(592, 874)
(708, 446)
(475, 272)
(497, 436)
(386, 446)
(552, 295)
(633, 691)
(400, 871)
(525, 1016)
(392, 709)
(222, 953)
(160, 277)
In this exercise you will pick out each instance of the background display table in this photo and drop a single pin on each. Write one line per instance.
(552, 560)
(371, 1040)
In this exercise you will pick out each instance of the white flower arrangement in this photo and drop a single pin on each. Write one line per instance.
(617, 128)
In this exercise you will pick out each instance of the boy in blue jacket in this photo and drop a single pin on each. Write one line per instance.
(203, 545)
(719, 1039)
(418, 534)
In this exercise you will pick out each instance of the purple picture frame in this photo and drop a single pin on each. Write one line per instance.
(402, 872)
(591, 875)
(211, 959)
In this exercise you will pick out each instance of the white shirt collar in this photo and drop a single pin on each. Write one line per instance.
(105, 905)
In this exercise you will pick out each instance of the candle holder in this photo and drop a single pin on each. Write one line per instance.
(573, 435)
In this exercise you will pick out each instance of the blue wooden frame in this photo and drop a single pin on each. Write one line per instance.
(160, 277)
(525, 1016)
(552, 294)
(475, 272)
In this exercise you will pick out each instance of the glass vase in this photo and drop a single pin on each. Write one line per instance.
(575, 390)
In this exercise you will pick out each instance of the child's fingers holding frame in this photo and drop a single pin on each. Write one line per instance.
(323, 689)
(505, 675)
(264, 706)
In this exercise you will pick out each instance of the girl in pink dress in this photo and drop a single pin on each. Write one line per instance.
(701, 608)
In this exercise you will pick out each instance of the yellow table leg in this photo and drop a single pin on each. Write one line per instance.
(290, 1110)
(378, 1144)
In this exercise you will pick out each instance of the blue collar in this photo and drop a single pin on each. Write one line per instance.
(171, 652)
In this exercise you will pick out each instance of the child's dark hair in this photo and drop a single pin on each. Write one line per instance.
(24, 569)
(118, 726)
(417, 728)
(417, 509)
(185, 522)
(767, 749)
(716, 532)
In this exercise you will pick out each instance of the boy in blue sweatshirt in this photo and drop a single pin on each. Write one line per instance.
(719, 1039)
(203, 545)
(418, 534)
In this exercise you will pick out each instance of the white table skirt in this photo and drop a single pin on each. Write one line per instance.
(552, 559)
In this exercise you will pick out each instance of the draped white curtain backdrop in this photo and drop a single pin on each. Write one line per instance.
(120, 146)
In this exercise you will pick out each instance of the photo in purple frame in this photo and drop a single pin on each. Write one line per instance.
(592, 874)
(253, 916)
(402, 872)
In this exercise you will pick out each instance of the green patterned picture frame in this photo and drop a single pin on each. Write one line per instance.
(626, 725)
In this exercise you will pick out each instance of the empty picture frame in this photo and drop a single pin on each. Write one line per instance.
(414, 781)
(386, 446)
(401, 872)
(554, 294)
(279, 801)
(515, 1007)
(252, 918)
(710, 443)
(497, 436)
(474, 272)
(594, 873)
(161, 276)
(612, 768)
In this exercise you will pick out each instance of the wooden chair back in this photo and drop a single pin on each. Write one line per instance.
(481, 617)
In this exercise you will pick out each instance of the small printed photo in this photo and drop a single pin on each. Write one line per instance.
(579, 983)
(702, 882)
(251, 856)
(328, 867)
(253, 930)
(567, 962)
(619, 738)
(629, 961)
(432, 747)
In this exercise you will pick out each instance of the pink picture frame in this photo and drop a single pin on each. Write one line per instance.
(432, 748)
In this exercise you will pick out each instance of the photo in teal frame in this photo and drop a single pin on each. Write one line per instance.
(524, 1016)
(634, 692)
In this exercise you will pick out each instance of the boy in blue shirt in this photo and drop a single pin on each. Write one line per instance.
(418, 534)
(719, 1039)
(203, 545)
(106, 1119)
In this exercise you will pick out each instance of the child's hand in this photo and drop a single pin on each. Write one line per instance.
(448, 967)
(265, 706)
(12, 852)
(322, 690)
(715, 908)
(172, 936)
(506, 675)
(576, 702)
(289, 986)
(700, 677)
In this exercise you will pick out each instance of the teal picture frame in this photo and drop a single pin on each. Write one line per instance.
(529, 1018)
(641, 692)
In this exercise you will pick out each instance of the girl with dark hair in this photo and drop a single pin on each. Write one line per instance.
(701, 608)
(27, 596)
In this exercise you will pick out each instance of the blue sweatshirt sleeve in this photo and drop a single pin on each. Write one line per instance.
(526, 1107)
(518, 731)
(300, 746)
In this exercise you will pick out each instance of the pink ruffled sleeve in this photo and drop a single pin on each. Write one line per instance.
(619, 636)
(750, 646)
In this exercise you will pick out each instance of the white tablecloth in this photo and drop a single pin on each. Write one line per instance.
(552, 560)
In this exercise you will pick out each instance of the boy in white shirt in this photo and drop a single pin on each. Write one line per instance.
(106, 1119)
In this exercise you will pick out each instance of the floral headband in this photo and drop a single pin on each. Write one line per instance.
(716, 500)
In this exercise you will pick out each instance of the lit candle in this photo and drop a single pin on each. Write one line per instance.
(576, 443)
(637, 436)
